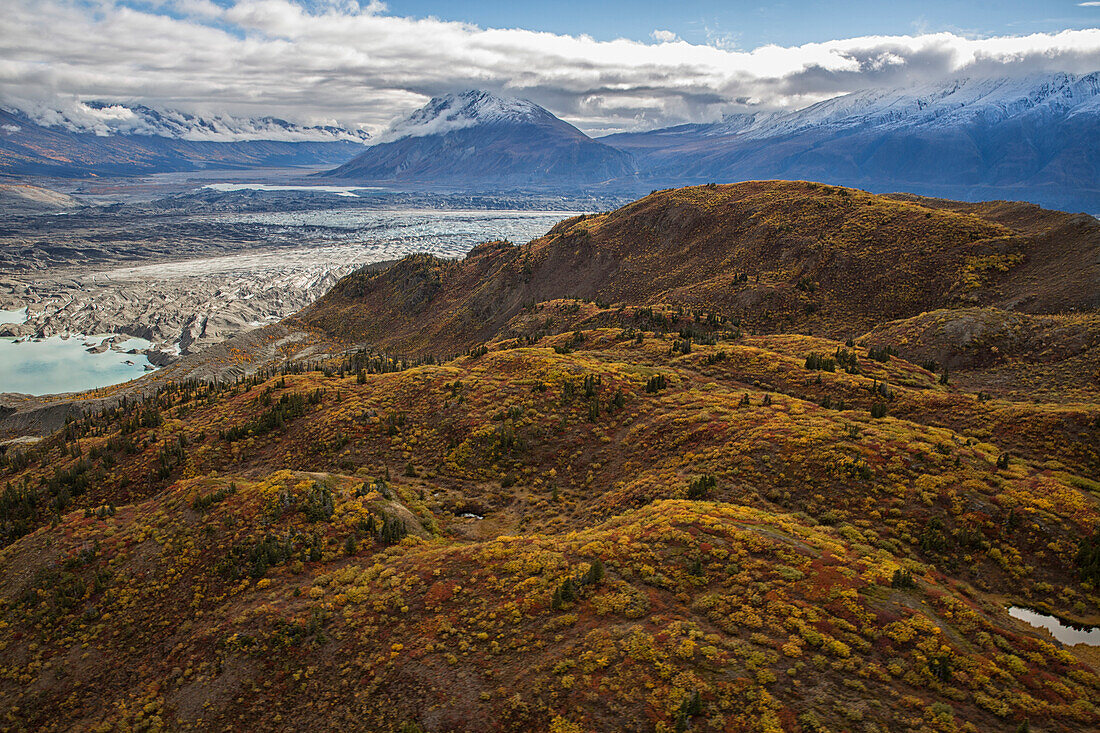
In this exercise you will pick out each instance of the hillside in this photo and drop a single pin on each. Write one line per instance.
(22, 200)
(213, 568)
(1015, 355)
(770, 255)
(476, 138)
(634, 501)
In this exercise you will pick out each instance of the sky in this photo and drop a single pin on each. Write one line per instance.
(605, 66)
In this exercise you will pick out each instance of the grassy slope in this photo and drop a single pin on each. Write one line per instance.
(1020, 356)
(770, 597)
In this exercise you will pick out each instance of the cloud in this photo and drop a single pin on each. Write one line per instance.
(1089, 5)
(664, 36)
(198, 8)
(335, 60)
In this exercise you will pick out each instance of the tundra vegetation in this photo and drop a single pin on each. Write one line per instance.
(666, 522)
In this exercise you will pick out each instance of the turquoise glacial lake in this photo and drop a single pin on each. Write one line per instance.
(56, 364)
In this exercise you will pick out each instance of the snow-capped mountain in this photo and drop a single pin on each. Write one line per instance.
(958, 102)
(104, 119)
(459, 111)
(483, 139)
(112, 139)
(1034, 138)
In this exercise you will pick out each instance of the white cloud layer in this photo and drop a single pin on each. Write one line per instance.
(338, 62)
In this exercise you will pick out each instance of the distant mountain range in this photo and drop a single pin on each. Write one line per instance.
(478, 138)
(1029, 139)
(101, 139)
(1034, 139)
(105, 119)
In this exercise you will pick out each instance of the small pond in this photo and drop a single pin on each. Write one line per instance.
(1063, 632)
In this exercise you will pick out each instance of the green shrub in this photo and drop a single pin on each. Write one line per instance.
(701, 486)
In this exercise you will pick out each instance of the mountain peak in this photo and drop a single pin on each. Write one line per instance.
(475, 135)
(487, 106)
(472, 107)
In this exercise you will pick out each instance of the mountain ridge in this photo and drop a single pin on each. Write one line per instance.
(114, 118)
(962, 99)
(143, 140)
(1025, 139)
(774, 255)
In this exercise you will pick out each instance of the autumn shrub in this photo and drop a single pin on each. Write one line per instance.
(816, 362)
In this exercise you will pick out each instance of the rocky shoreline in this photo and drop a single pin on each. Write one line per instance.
(178, 313)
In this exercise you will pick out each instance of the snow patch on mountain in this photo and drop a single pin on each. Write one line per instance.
(107, 119)
(459, 111)
(956, 102)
